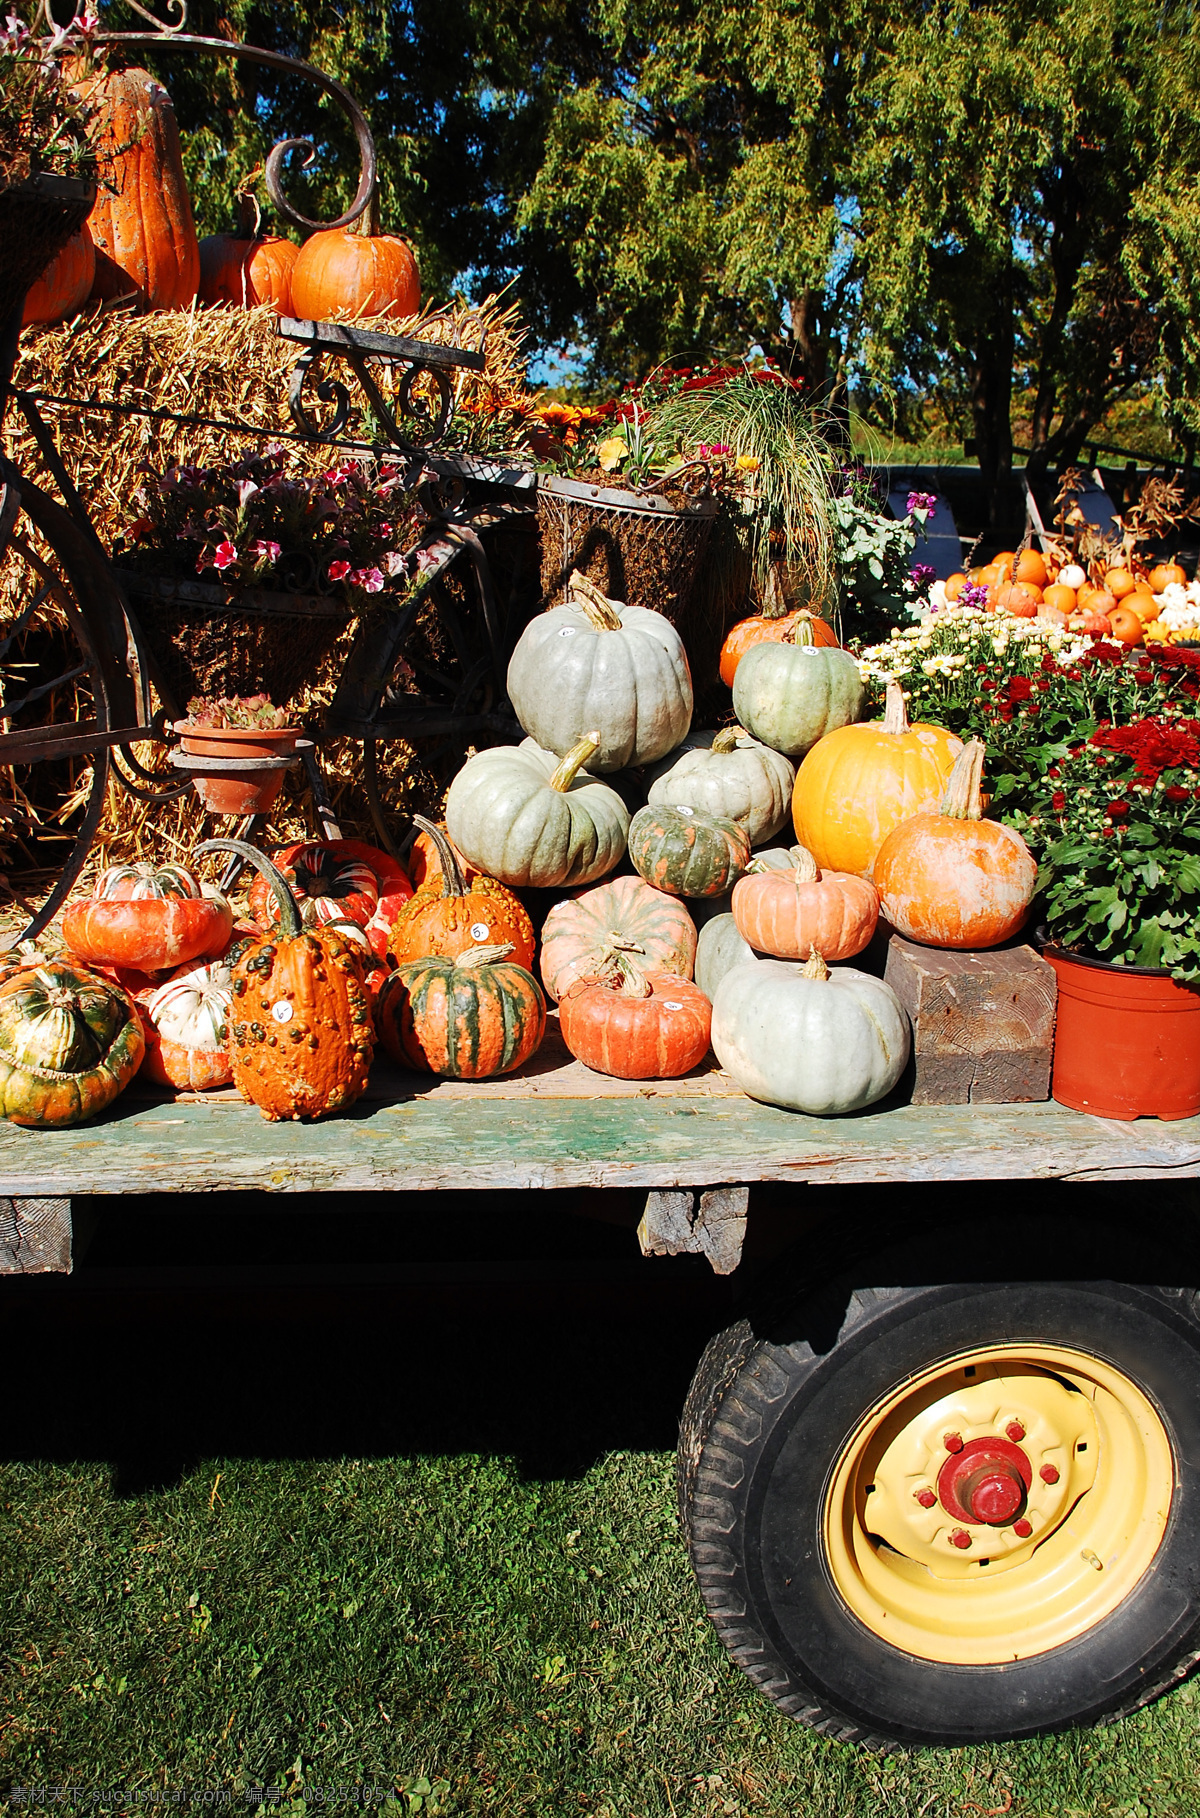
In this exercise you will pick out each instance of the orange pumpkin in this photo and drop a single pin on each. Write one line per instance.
(859, 782)
(300, 1023)
(1143, 602)
(65, 285)
(355, 271)
(247, 272)
(1005, 564)
(1096, 599)
(1167, 574)
(952, 879)
(1061, 598)
(471, 1017)
(955, 584)
(1030, 566)
(142, 220)
(788, 913)
(1022, 599)
(448, 916)
(1125, 626)
(636, 1025)
(776, 631)
(425, 866)
(1119, 582)
(147, 917)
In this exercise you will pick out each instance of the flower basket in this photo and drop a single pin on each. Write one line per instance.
(213, 640)
(226, 788)
(37, 218)
(639, 548)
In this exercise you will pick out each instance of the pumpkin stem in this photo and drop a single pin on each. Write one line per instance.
(601, 612)
(962, 800)
(452, 877)
(484, 956)
(815, 967)
(807, 869)
(367, 224)
(574, 761)
(634, 982)
(290, 924)
(895, 714)
(726, 740)
(801, 630)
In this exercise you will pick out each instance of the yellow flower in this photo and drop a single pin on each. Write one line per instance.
(749, 463)
(612, 452)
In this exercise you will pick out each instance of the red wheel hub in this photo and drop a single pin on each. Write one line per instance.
(985, 1482)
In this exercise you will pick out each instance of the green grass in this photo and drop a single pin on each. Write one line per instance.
(434, 1556)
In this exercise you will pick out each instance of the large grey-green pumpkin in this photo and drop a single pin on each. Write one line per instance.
(597, 663)
(808, 1038)
(728, 773)
(791, 695)
(720, 947)
(526, 816)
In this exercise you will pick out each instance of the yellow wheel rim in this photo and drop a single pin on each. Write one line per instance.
(998, 1504)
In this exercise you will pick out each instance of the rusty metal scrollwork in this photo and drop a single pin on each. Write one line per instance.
(329, 391)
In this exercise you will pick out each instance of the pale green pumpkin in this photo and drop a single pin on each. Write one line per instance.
(791, 695)
(528, 818)
(727, 773)
(719, 948)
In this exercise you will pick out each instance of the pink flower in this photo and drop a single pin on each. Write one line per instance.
(369, 579)
(246, 490)
(385, 530)
(393, 562)
(338, 570)
(262, 546)
(224, 555)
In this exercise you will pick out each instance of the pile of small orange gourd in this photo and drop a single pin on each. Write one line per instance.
(1114, 599)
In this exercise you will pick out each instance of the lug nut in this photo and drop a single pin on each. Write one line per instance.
(926, 1498)
(960, 1538)
(1023, 1528)
(1049, 1473)
(1015, 1431)
(952, 1442)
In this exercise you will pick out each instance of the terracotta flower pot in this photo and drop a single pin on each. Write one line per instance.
(224, 792)
(1126, 1041)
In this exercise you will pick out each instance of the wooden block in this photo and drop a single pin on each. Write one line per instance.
(983, 1023)
(35, 1236)
(678, 1222)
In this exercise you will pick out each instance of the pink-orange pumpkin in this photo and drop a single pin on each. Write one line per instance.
(636, 1025)
(581, 935)
(954, 879)
(147, 917)
(788, 913)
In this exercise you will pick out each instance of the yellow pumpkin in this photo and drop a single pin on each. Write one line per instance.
(859, 782)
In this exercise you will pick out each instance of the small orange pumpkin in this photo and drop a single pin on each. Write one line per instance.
(1030, 566)
(65, 285)
(355, 271)
(443, 919)
(1061, 598)
(247, 272)
(859, 782)
(955, 584)
(1167, 574)
(632, 1024)
(787, 913)
(1125, 626)
(758, 630)
(952, 879)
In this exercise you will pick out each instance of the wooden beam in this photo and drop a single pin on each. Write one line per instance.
(35, 1236)
(711, 1223)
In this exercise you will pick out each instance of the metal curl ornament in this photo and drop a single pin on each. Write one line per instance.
(169, 33)
(329, 391)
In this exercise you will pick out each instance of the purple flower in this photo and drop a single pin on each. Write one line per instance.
(924, 574)
(369, 579)
(225, 554)
(920, 504)
(976, 596)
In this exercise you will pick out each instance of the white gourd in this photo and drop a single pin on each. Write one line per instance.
(597, 662)
(719, 948)
(807, 1038)
(192, 1009)
(728, 773)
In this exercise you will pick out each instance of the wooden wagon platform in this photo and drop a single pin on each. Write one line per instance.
(695, 1145)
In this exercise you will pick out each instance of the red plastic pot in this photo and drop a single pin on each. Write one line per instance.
(223, 792)
(1126, 1040)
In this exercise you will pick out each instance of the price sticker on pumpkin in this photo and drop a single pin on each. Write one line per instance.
(680, 809)
(671, 1004)
(479, 931)
(568, 631)
(282, 1011)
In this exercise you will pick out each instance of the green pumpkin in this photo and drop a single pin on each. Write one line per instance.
(531, 819)
(791, 695)
(69, 1043)
(687, 853)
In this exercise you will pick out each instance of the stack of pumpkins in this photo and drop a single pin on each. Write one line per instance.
(158, 976)
(140, 239)
(1114, 598)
